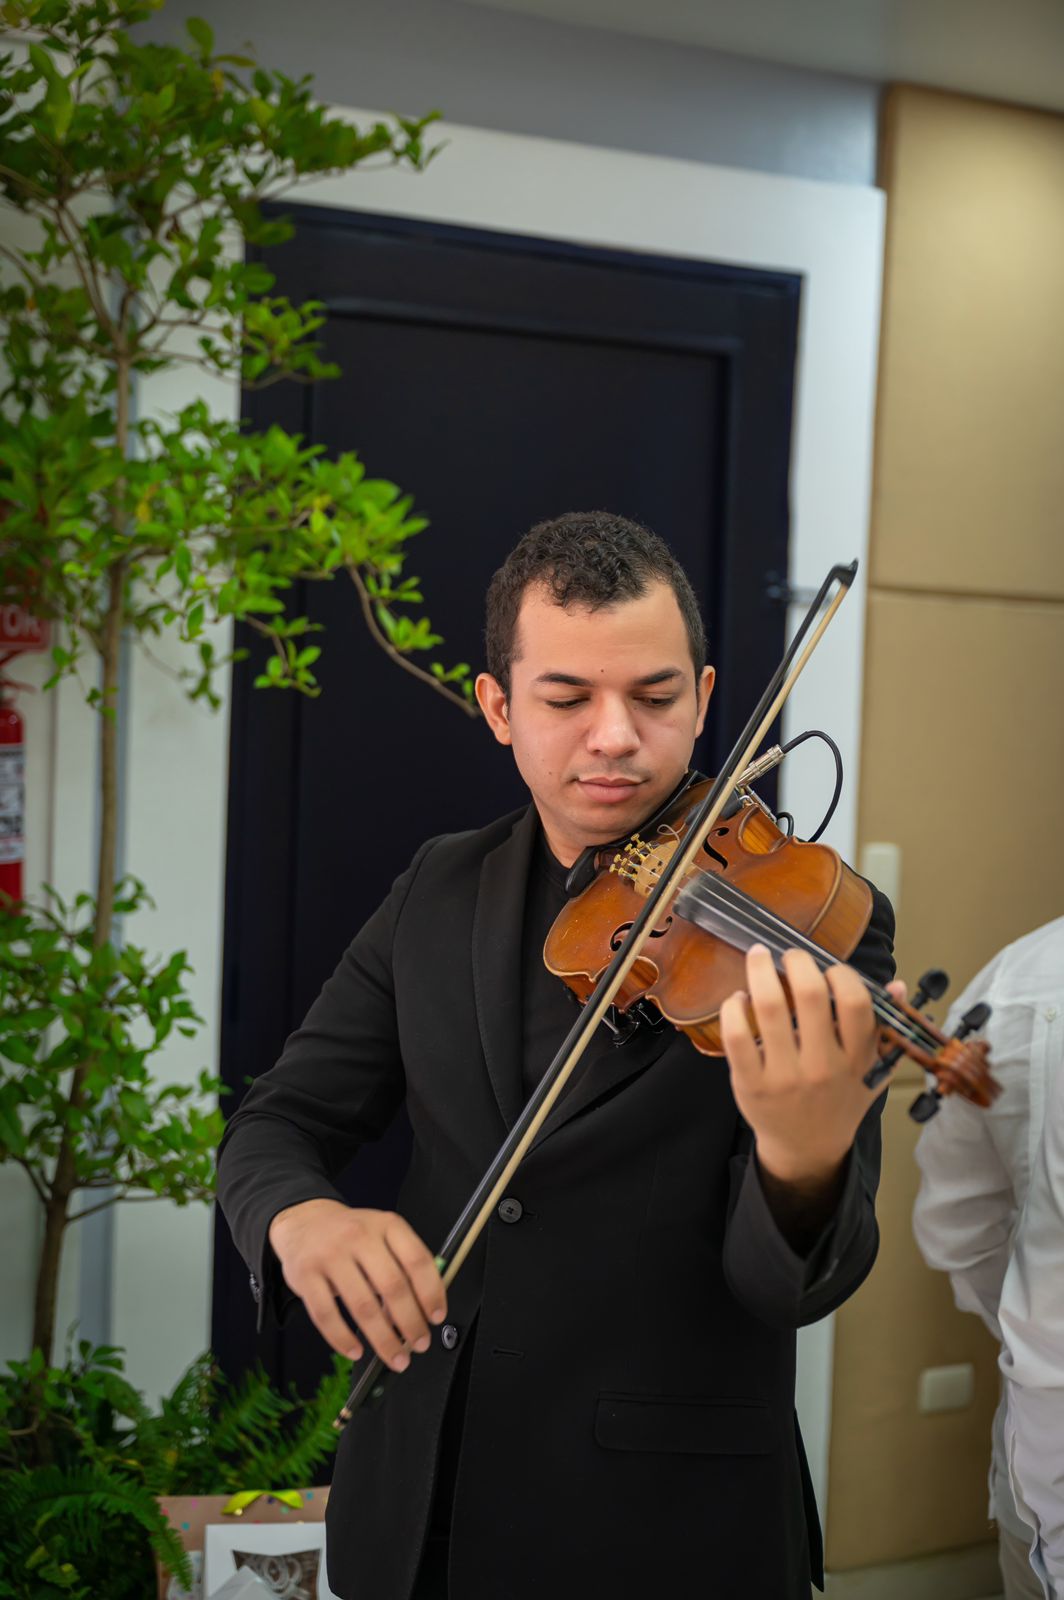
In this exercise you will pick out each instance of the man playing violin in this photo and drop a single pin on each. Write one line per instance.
(603, 1403)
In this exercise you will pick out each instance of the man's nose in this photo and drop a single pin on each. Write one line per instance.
(613, 731)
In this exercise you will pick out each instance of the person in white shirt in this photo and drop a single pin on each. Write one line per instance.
(990, 1212)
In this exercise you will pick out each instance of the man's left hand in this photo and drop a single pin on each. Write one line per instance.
(801, 1088)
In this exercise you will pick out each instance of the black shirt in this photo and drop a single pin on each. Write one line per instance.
(548, 1006)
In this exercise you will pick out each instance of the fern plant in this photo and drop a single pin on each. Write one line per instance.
(83, 1459)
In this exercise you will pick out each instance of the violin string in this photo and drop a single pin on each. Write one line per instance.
(753, 920)
(882, 1003)
(710, 892)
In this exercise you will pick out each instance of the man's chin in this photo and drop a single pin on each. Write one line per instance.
(603, 817)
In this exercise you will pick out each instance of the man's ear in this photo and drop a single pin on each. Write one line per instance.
(491, 699)
(705, 690)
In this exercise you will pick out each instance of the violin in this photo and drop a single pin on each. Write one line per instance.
(750, 884)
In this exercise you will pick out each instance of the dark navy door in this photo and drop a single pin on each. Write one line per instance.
(499, 380)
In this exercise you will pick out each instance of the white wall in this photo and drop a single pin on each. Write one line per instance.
(60, 764)
(526, 74)
(60, 735)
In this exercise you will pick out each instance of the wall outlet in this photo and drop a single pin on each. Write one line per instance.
(946, 1388)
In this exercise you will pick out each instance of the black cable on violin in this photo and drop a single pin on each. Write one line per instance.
(792, 744)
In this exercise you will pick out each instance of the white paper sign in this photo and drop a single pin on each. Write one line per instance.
(288, 1558)
(243, 1585)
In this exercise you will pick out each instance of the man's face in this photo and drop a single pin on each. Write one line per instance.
(603, 712)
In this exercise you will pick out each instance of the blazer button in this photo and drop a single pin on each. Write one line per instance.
(448, 1336)
(511, 1210)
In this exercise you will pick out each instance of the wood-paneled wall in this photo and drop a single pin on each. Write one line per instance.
(963, 728)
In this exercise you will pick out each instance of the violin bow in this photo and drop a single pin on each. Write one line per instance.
(481, 1204)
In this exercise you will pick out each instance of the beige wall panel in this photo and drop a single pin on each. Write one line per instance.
(963, 768)
(902, 1483)
(969, 480)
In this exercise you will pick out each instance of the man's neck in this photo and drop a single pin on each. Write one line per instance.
(564, 853)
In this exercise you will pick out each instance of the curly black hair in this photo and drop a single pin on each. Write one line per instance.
(589, 558)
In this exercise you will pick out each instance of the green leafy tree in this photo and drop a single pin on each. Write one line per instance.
(140, 173)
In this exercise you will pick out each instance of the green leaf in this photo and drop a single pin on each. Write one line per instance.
(202, 34)
(263, 112)
(58, 101)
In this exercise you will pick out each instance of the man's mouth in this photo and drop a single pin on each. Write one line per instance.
(609, 790)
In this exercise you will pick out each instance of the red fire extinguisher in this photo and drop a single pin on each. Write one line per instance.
(12, 795)
(20, 631)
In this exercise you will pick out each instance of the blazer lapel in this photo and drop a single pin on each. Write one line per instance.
(609, 1070)
(497, 931)
(497, 928)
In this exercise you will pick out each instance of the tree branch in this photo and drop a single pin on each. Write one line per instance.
(42, 1192)
(13, 255)
(92, 288)
(129, 1199)
(397, 655)
(26, 183)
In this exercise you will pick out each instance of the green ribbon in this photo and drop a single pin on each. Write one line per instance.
(247, 1497)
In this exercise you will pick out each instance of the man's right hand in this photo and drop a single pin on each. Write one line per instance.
(371, 1261)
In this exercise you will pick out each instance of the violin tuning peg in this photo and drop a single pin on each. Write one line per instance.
(972, 1020)
(925, 1106)
(932, 986)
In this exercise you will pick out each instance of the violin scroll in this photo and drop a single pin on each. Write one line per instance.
(958, 1065)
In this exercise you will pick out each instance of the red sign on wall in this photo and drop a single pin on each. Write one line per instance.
(21, 631)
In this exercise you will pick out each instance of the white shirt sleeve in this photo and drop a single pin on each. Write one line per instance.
(966, 1206)
(1032, 1328)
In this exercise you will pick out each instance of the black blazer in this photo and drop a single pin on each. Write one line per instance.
(630, 1428)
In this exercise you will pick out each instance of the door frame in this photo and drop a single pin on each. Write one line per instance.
(832, 236)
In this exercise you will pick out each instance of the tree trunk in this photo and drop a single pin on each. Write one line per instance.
(63, 1184)
(44, 1304)
(105, 865)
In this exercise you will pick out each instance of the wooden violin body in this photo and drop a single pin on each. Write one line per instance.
(751, 883)
(684, 969)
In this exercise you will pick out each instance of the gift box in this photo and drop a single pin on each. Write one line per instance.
(189, 1516)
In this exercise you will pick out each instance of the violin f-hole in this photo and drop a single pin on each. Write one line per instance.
(715, 854)
(619, 933)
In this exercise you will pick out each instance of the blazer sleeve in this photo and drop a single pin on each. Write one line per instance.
(337, 1085)
(769, 1277)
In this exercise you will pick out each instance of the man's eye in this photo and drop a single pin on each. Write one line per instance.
(659, 700)
(563, 705)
